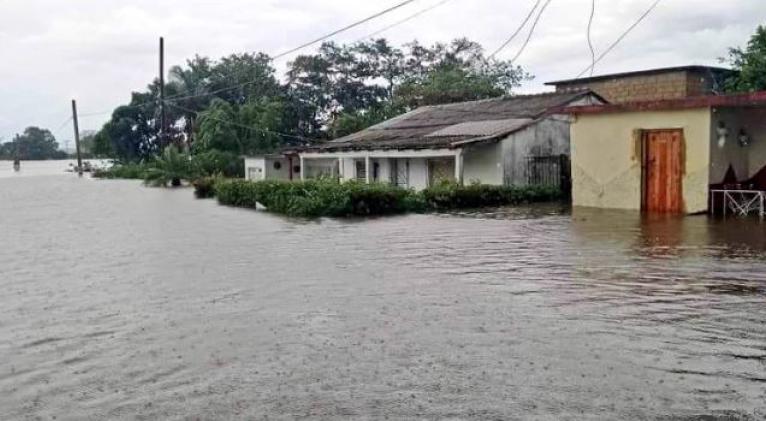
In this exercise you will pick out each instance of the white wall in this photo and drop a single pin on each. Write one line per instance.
(255, 169)
(277, 169)
(483, 164)
(418, 173)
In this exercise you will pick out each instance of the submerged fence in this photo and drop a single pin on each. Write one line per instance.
(550, 171)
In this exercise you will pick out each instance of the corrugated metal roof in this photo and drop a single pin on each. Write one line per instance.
(440, 126)
(482, 128)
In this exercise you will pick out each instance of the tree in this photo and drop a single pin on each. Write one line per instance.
(133, 129)
(248, 129)
(33, 144)
(169, 168)
(749, 63)
(349, 87)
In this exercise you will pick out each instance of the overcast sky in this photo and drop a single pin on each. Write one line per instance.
(99, 51)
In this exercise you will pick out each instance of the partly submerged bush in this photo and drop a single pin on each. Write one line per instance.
(171, 167)
(330, 198)
(454, 196)
(316, 197)
(133, 171)
(204, 187)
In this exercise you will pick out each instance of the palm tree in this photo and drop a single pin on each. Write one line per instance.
(169, 168)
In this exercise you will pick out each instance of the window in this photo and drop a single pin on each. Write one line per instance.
(361, 170)
(277, 165)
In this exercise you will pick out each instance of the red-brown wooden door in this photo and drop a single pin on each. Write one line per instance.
(663, 171)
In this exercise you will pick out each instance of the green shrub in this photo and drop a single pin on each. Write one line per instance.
(317, 198)
(204, 187)
(454, 196)
(133, 171)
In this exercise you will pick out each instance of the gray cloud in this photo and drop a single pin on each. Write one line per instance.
(99, 51)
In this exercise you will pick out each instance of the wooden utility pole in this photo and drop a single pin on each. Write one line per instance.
(76, 136)
(162, 93)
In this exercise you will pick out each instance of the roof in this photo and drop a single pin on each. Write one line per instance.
(647, 72)
(452, 125)
(751, 99)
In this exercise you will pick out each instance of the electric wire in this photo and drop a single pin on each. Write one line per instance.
(345, 28)
(620, 38)
(405, 20)
(590, 40)
(531, 31)
(262, 130)
(517, 31)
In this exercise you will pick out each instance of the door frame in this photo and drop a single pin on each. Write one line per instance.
(643, 138)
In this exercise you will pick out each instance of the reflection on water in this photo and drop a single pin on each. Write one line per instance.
(126, 302)
(38, 168)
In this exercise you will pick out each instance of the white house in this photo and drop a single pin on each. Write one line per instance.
(516, 140)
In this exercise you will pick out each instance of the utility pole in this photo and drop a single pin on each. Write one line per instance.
(162, 93)
(76, 136)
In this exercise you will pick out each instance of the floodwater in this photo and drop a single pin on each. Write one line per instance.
(125, 302)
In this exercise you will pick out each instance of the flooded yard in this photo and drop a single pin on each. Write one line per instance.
(124, 302)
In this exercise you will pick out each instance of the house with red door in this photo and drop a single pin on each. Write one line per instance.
(678, 156)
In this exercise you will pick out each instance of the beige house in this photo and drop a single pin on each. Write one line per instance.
(519, 140)
(667, 155)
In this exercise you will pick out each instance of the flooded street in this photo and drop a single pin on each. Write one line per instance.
(125, 302)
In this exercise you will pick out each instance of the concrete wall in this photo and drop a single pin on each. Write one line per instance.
(548, 137)
(255, 169)
(669, 85)
(746, 161)
(483, 164)
(267, 168)
(606, 157)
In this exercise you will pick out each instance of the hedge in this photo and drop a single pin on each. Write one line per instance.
(329, 198)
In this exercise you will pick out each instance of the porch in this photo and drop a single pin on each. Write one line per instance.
(417, 169)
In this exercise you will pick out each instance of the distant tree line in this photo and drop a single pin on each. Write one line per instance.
(33, 144)
(238, 105)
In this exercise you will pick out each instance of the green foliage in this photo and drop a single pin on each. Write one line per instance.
(215, 162)
(129, 170)
(34, 144)
(315, 198)
(750, 64)
(204, 187)
(318, 198)
(236, 104)
(454, 196)
(234, 128)
(171, 168)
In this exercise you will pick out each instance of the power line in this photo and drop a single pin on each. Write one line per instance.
(620, 38)
(63, 124)
(405, 20)
(590, 41)
(322, 38)
(531, 31)
(517, 31)
(345, 28)
(305, 139)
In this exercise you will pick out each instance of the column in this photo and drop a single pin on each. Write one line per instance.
(303, 168)
(459, 167)
(367, 169)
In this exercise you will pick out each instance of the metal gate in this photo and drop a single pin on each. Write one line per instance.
(550, 171)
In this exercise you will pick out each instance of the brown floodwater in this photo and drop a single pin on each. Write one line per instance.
(125, 302)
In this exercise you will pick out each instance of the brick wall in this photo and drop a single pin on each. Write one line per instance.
(669, 85)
